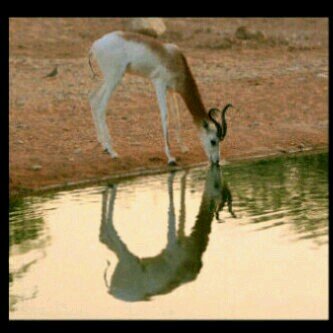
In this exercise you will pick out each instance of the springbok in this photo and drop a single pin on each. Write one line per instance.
(165, 65)
(137, 279)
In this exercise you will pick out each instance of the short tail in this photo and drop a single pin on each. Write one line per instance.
(92, 69)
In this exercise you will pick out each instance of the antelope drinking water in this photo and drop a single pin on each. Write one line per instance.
(165, 65)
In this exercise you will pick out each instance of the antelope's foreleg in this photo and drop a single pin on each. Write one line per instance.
(161, 92)
(174, 98)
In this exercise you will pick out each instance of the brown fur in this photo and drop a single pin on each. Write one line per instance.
(192, 97)
(175, 61)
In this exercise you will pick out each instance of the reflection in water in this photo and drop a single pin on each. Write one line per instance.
(283, 190)
(27, 239)
(274, 262)
(135, 278)
(25, 225)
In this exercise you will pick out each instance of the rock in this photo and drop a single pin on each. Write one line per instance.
(293, 150)
(153, 27)
(281, 149)
(20, 125)
(322, 124)
(322, 75)
(36, 167)
(254, 124)
(77, 151)
(244, 33)
(155, 159)
(20, 102)
(53, 73)
(301, 146)
(224, 43)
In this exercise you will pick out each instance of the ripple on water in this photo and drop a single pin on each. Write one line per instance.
(276, 202)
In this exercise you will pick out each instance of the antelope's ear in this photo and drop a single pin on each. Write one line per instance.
(205, 124)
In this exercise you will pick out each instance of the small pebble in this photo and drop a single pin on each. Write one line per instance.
(19, 125)
(36, 167)
(322, 75)
(20, 102)
(78, 151)
(254, 124)
(282, 150)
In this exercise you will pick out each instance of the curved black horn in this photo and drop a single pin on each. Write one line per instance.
(224, 122)
(216, 123)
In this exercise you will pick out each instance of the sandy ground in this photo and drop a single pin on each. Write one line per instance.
(279, 83)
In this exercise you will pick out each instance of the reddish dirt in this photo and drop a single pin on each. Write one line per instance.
(279, 84)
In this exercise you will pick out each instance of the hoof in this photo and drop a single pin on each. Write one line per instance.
(172, 163)
(114, 155)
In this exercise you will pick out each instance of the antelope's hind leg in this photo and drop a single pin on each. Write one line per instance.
(93, 99)
(98, 102)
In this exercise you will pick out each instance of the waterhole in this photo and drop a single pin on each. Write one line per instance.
(242, 241)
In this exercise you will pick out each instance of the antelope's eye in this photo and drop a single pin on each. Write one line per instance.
(213, 142)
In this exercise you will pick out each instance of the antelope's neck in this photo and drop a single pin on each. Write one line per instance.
(191, 96)
(202, 228)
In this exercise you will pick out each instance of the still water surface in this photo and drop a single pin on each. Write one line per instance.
(245, 241)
